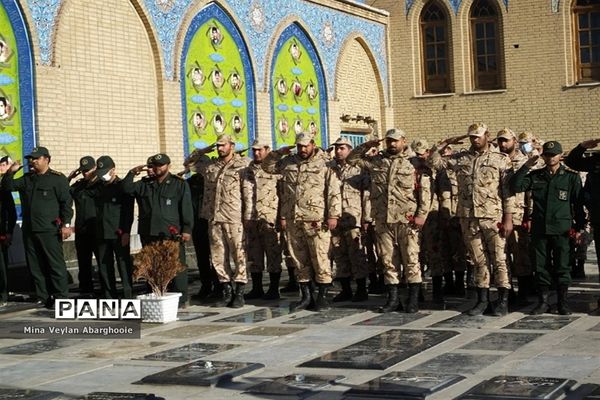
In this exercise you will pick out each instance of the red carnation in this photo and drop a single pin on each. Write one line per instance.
(57, 221)
(410, 218)
(119, 232)
(572, 233)
(173, 230)
(500, 225)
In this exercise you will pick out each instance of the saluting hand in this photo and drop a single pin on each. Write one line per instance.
(15, 166)
(285, 150)
(590, 144)
(453, 140)
(73, 174)
(138, 169)
(332, 223)
(532, 160)
(372, 143)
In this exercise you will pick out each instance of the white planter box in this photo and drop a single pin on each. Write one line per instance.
(159, 309)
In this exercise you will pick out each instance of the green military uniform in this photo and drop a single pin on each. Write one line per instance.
(162, 206)
(85, 225)
(114, 210)
(556, 205)
(47, 205)
(8, 219)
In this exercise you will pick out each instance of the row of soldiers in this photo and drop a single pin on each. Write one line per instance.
(411, 197)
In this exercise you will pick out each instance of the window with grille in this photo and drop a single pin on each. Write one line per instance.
(586, 16)
(354, 138)
(435, 49)
(486, 45)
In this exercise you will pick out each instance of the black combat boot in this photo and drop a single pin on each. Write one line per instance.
(437, 291)
(361, 293)
(412, 304)
(525, 288)
(563, 305)
(501, 308)
(238, 298)
(459, 283)
(273, 292)
(305, 298)
(321, 303)
(449, 284)
(392, 300)
(543, 305)
(346, 293)
(257, 289)
(482, 302)
(226, 295)
(292, 285)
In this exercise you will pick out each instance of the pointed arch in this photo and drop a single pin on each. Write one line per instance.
(231, 104)
(18, 133)
(308, 75)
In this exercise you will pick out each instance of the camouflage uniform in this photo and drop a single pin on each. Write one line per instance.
(223, 208)
(347, 249)
(260, 194)
(310, 196)
(483, 198)
(394, 204)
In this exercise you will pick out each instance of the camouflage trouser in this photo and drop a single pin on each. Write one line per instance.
(394, 242)
(348, 253)
(309, 245)
(518, 251)
(287, 256)
(227, 245)
(261, 240)
(486, 248)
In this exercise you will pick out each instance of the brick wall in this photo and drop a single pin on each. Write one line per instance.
(539, 76)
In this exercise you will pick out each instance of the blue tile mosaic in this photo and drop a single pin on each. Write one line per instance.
(44, 14)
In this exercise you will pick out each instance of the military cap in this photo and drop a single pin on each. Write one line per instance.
(304, 139)
(225, 138)
(552, 148)
(86, 163)
(342, 141)
(420, 146)
(395, 134)
(104, 164)
(506, 133)
(38, 152)
(258, 144)
(478, 129)
(525, 137)
(160, 159)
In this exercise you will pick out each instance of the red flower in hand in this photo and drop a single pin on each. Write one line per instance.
(572, 233)
(57, 221)
(525, 225)
(173, 230)
(2, 238)
(500, 225)
(410, 218)
(119, 232)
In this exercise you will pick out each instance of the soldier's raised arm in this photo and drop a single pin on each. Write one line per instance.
(9, 183)
(575, 158)
(521, 180)
(436, 161)
(359, 155)
(271, 164)
(129, 186)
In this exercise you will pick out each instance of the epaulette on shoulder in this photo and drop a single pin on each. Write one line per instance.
(571, 170)
(54, 172)
(178, 177)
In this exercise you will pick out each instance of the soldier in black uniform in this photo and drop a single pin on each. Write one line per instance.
(47, 212)
(85, 221)
(8, 220)
(164, 204)
(114, 210)
(557, 215)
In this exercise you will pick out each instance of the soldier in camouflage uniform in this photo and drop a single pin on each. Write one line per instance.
(400, 201)
(259, 189)
(485, 206)
(517, 244)
(223, 207)
(348, 252)
(311, 207)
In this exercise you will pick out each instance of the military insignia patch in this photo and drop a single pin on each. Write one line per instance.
(562, 195)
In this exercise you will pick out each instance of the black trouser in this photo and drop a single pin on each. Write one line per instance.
(555, 248)
(85, 245)
(180, 282)
(202, 248)
(44, 254)
(3, 273)
(109, 251)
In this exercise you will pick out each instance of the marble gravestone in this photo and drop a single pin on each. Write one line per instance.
(295, 385)
(381, 351)
(518, 388)
(403, 385)
(201, 373)
(189, 352)
(121, 396)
